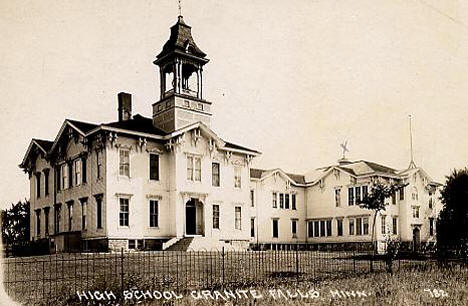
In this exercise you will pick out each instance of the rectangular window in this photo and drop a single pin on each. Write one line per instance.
(310, 229)
(216, 216)
(329, 228)
(140, 244)
(57, 216)
(322, 228)
(46, 220)
(293, 201)
(364, 191)
(84, 205)
(383, 225)
(99, 164)
(339, 227)
(402, 193)
(154, 167)
(281, 195)
(338, 197)
(252, 198)
(350, 196)
(193, 168)
(431, 226)
(294, 228)
(351, 226)
(238, 218)
(365, 226)
(237, 177)
(124, 162)
(38, 185)
(252, 227)
(316, 228)
(190, 168)
(358, 226)
(415, 212)
(275, 228)
(77, 168)
(46, 182)
(275, 200)
(131, 244)
(394, 198)
(430, 203)
(99, 212)
(70, 216)
(124, 212)
(286, 201)
(215, 174)
(64, 172)
(153, 213)
(395, 225)
(197, 161)
(38, 223)
(358, 194)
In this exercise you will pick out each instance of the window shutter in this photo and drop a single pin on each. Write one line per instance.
(57, 178)
(70, 175)
(84, 170)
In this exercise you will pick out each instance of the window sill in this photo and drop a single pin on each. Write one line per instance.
(153, 228)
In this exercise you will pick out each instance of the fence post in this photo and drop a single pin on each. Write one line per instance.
(222, 256)
(43, 277)
(121, 270)
(297, 263)
(354, 260)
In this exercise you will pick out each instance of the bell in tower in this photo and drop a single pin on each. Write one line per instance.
(181, 82)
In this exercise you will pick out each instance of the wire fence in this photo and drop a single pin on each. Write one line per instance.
(50, 277)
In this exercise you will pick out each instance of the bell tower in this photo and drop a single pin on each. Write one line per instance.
(181, 82)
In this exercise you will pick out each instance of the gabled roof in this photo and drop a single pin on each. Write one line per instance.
(137, 125)
(410, 171)
(235, 146)
(364, 167)
(80, 126)
(84, 127)
(262, 174)
(43, 145)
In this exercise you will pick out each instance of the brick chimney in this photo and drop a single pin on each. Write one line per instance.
(125, 106)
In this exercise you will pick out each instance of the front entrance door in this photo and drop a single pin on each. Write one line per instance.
(416, 239)
(191, 218)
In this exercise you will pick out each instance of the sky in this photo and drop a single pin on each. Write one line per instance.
(293, 79)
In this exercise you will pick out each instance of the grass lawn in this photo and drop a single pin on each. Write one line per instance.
(332, 275)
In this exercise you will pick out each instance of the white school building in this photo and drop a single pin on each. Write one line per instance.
(170, 182)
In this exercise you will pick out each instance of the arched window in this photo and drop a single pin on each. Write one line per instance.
(189, 78)
(168, 78)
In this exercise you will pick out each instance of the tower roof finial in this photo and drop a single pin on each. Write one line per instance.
(412, 165)
(180, 8)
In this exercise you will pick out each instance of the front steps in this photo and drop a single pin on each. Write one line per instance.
(199, 243)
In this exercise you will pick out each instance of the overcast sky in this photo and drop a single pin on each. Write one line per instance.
(293, 79)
